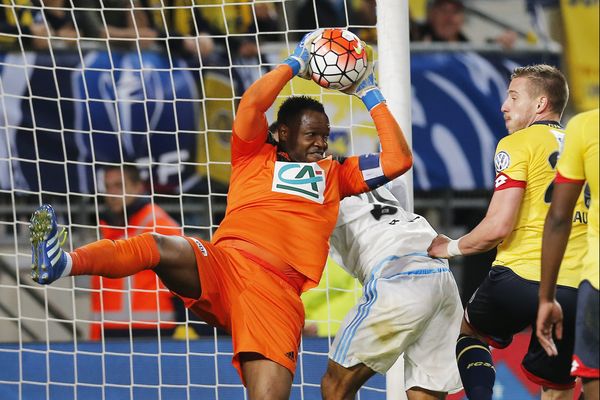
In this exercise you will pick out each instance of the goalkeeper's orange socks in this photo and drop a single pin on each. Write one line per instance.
(115, 259)
(476, 368)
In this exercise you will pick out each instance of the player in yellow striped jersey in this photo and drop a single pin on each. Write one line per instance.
(506, 301)
(578, 163)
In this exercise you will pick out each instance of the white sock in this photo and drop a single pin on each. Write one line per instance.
(67, 270)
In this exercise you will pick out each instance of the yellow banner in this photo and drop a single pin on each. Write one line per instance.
(580, 18)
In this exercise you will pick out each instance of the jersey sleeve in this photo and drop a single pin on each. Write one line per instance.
(370, 171)
(571, 162)
(352, 180)
(395, 157)
(250, 126)
(512, 164)
(399, 189)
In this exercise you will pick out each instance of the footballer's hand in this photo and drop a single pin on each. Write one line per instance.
(549, 320)
(439, 247)
(366, 87)
(300, 57)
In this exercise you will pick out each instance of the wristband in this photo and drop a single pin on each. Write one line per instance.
(372, 98)
(295, 63)
(453, 249)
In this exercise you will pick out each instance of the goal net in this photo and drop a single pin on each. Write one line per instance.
(91, 90)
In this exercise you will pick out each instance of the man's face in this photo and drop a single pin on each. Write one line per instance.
(447, 20)
(307, 141)
(113, 181)
(520, 106)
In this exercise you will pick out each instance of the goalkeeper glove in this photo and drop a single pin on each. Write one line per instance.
(366, 87)
(299, 59)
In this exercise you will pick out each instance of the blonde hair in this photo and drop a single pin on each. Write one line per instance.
(548, 80)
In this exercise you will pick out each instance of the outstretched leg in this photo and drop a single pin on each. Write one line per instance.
(265, 379)
(340, 383)
(417, 393)
(171, 257)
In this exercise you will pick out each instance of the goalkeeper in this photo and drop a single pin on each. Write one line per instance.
(410, 303)
(273, 242)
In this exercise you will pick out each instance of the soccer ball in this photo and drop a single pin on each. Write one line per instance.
(338, 59)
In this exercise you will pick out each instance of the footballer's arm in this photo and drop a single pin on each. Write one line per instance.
(250, 124)
(374, 170)
(497, 224)
(396, 157)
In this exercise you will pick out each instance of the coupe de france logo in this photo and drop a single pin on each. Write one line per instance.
(300, 179)
(501, 161)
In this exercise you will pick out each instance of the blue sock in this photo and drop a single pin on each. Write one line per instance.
(476, 368)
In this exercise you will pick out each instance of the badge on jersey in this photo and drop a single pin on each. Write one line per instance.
(306, 180)
(501, 161)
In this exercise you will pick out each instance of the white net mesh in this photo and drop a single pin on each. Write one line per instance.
(89, 89)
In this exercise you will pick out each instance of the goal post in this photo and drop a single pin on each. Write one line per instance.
(393, 44)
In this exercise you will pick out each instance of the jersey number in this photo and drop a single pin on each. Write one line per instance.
(379, 210)
(553, 160)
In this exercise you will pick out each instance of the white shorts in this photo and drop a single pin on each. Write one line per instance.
(416, 311)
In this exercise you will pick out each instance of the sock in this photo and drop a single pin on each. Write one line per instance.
(116, 259)
(476, 368)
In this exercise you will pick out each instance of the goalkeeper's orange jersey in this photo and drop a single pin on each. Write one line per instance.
(527, 159)
(289, 208)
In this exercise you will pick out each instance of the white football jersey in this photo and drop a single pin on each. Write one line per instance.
(373, 227)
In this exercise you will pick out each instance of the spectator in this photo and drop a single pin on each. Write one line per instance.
(20, 27)
(125, 24)
(445, 23)
(229, 35)
(174, 22)
(313, 14)
(142, 299)
(59, 18)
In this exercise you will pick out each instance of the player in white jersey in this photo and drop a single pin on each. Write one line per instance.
(410, 304)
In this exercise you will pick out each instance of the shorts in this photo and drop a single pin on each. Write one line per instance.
(416, 311)
(506, 304)
(263, 313)
(585, 357)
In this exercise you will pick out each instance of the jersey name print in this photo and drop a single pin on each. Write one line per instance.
(306, 180)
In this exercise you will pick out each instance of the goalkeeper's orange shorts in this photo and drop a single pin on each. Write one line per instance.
(263, 312)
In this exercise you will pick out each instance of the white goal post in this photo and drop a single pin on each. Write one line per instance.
(393, 44)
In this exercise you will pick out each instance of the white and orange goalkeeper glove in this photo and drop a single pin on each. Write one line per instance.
(366, 87)
(299, 59)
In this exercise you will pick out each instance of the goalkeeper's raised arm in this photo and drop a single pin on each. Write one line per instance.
(395, 157)
(250, 124)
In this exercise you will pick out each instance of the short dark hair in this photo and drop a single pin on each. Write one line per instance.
(437, 3)
(548, 80)
(129, 171)
(291, 109)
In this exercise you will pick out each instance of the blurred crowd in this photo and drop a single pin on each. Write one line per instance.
(222, 33)
(217, 32)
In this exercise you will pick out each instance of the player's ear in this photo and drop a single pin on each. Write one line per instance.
(283, 132)
(542, 104)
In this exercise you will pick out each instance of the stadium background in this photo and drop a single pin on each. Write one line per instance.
(62, 109)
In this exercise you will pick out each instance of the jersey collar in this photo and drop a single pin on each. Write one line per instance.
(550, 123)
(283, 156)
